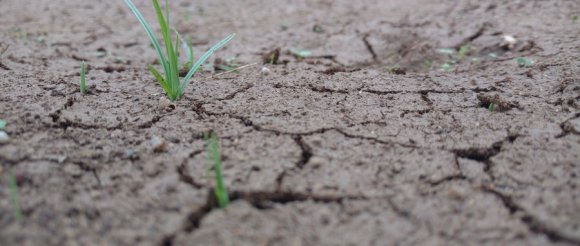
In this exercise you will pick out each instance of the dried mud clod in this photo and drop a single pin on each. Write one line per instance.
(333, 70)
(271, 57)
(501, 105)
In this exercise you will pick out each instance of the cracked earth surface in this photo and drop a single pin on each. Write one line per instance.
(332, 149)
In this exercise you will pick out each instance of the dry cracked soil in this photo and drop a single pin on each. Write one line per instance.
(410, 123)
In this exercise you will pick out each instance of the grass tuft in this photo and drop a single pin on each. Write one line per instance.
(169, 81)
(221, 192)
(83, 85)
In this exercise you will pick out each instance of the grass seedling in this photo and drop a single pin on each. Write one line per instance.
(14, 195)
(445, 67)
(2, 124)
(221, 192)
(82, 83)
(300, 54)
(491, 107)
(524, 62)
(170, 82)
(463, 51)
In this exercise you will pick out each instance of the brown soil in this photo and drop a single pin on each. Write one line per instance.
(366, 142)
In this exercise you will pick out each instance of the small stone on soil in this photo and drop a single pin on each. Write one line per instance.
(316, 162)
(166, 104)
(158, 144)
(4, 138)
(509, 42)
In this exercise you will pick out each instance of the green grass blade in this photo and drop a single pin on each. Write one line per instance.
(149, 31)
(82, 83)
(14, 195)
(171, 73)
(221, 192)
(188, 47)
(161, 80)
(2, 124)
(202, 59)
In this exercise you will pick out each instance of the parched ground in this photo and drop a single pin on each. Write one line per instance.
(378, 138)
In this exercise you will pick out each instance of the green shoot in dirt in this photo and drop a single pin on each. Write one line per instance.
(14, 195)
(463, 51)
(524, 62)
(300, 54)
(445, 67)
(221, 192)
(2, 124)
(491, 107)
(170, 60)
(82, 83)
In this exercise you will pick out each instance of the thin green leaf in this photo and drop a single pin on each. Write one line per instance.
(188, 49)
(152, 37)
(159, 79)
(14, 195)
(202, 59)
(2, 124)
(221, 192)
(171, 70)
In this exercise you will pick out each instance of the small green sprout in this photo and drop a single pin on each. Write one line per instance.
(492, 107)
(2, 124)
(14, 195)
(82, 82)
(221, 192)
(318, 29)
(445, 67)
(395, 70)
(426, 64)
(524, 62)
(574, 18)
(463, 51)
(188, 46)
(301, 54)
(170, 60)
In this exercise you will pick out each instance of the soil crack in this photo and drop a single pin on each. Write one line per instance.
(369, 47)
(533, 223)
(306, 151)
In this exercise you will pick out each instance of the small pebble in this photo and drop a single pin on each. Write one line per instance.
(509, 41)
(4, 137)
(264, 70)
(316, 162)
(131, 154)
(152, 168)
(166, 104)
(158, 143)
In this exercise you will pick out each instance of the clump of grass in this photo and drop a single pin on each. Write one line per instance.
(83, 85)
(221, 192)
(14, 196)
(170, 82)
